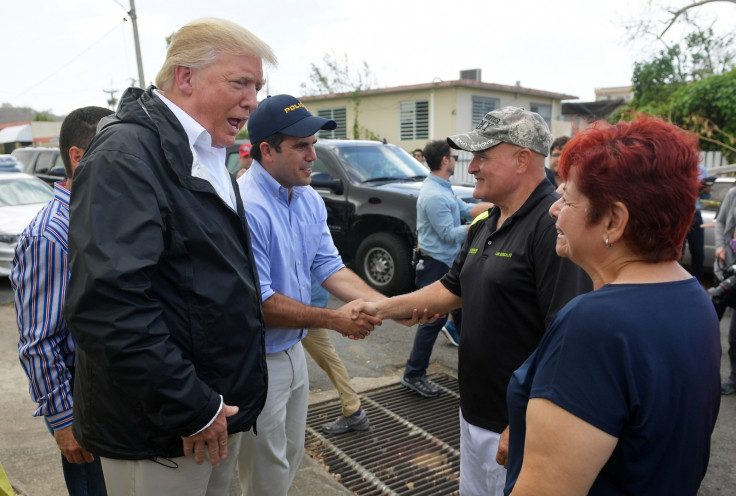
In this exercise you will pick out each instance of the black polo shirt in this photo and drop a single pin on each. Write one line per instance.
(512, 284)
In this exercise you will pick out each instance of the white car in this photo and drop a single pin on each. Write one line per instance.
(21, 197)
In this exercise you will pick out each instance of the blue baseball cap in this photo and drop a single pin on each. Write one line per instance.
(287, 115)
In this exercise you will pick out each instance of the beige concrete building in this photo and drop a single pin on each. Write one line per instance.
(410, 116)
(625, 93)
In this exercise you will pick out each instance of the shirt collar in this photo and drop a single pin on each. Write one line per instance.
(196, 133)
(272, 186)
(439, 180)
(61, 192)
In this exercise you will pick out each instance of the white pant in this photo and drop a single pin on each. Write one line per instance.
(268, 461)
(480, 475)
(181, 475)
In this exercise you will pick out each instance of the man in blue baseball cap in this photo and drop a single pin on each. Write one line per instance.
(288, 226)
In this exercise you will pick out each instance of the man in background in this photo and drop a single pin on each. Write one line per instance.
(245, 159)
(39, 277)
(419, 155)
(555, 150)
(440, 235)
(320, 348)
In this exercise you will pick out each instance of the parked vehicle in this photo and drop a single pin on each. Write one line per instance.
(709, 208)
(43, 162)
(21, 197)
(370, 190)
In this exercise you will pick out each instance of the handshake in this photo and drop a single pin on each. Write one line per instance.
(359, 317)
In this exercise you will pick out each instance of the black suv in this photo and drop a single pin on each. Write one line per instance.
(43, 162)
(370, 190)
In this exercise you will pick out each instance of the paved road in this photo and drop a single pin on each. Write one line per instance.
(31, 459)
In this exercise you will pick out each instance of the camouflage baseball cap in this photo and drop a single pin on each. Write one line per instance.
(513, 125)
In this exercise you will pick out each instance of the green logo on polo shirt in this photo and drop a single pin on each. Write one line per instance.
(505, 255)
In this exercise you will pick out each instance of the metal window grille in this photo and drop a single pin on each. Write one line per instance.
(338, 115)
(481, 106)
(414, 120)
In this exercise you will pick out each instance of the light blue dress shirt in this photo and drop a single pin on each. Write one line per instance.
(438, 220)
(290, 239)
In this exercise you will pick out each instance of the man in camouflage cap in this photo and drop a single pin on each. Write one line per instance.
(508, 280)
(512, 125)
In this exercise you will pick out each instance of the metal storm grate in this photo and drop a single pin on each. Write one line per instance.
(412, 448)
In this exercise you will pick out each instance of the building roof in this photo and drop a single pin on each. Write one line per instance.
(599, 109)
(463, 83)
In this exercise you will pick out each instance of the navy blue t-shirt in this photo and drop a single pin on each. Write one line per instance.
(640, 362)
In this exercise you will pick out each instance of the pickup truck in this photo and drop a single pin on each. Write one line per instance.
(370, 190)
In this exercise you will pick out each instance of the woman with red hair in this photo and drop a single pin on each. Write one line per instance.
(622, 394)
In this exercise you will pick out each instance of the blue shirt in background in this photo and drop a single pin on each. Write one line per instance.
(320, 296)
(438, 220)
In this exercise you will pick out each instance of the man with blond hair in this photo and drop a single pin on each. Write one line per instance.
(163, 299)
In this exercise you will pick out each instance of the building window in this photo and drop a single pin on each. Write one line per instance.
(414, 120)
(338, 115)
(543, 109)
(481, 106)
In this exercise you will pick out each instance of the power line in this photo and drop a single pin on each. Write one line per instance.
(68, 63)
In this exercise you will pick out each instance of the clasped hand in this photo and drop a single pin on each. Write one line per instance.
(213, 439)
(356, 324)
(360, 308)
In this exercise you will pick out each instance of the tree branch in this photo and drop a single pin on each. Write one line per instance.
(678, 13)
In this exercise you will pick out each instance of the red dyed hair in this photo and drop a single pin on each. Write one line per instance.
(649, 166)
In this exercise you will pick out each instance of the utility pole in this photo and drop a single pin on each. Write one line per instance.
(112, 101)
(133, 19)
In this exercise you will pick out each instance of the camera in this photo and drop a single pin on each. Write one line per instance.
(724, 295)
(724, 290)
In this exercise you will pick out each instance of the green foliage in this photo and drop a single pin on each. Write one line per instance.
(41, 117)
(654, 81)
(693, 85)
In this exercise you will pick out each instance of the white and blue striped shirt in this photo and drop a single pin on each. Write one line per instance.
(39, 277)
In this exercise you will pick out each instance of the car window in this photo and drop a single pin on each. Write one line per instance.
(58, 168)
(320, 170)
(14, 191)
(23, 156)
(718, 191)
(45, 162)
(377, 162)
(233, 162)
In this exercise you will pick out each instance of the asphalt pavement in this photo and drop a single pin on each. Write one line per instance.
(32, 462)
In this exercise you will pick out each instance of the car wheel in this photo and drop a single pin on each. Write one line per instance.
(384, 262)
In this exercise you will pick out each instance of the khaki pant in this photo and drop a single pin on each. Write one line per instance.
(318, 345)
(172, 476)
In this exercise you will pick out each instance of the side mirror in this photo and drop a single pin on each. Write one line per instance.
(324, 181)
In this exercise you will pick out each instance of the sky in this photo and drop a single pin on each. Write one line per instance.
(59, 55)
